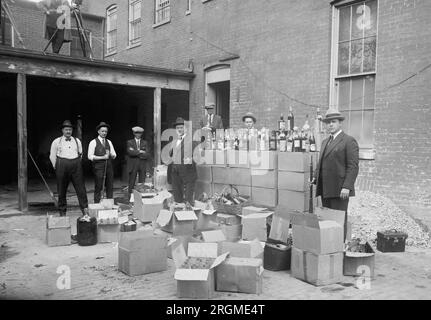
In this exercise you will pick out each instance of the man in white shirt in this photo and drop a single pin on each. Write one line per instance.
(101, 152)
(65, 156)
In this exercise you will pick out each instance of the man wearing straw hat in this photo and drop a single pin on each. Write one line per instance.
(338, 166)
(101, 152)
(65, 156)
(138, 155)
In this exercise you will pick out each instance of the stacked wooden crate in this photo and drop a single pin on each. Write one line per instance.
(264, 177)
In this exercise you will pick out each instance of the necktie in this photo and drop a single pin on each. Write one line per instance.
(331, 137)
(104, 143)
(68, 139)
(138, 143)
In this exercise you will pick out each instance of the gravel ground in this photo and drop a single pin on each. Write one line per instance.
(373, 212)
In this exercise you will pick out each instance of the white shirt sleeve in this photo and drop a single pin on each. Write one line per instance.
(79, 146)
(113, 153)
(91, 148)
(53, 152)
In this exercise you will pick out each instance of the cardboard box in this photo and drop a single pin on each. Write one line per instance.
(238, 176)
(146, 209)
(283, 212)
(316, 269)
(243, 190)
(142, 253)
(237, 158)
(213, 158)
(264, 178)
(206, 220)
(107, 216)
(220, 175)
(252, 209)
(203, 187)
(58, 231)
(184, 240)
(93, 208)
(294, 200)
(264, 196)
(263, 160)
(242, 249)
(178, 223)
(240, 275)
(232, 232)
(213, 236)
(228, 219)
(107, 203)
(204, 173)
(294, 161)
(254, 226)
(279, 229)
(294, 181)
(108, 233)
(359, 264)
(315, 235)
(196, 282)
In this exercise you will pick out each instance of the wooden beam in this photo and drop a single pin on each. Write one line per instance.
(22, 141)
(157, 125)
(64, 70)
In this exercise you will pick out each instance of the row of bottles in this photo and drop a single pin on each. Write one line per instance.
(288, 137)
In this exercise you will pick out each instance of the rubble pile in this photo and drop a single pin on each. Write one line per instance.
(372, 212)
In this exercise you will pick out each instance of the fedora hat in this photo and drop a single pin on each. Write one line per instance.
(103, 124)
(66, 123)
(331, 115)
(179, 121)
(249, 115)
(138, 129)
(210, 106)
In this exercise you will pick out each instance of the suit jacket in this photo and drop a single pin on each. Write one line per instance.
(134, 158)
(179, 154)
(216, 122)
(338, 166)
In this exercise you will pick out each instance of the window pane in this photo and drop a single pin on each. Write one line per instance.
(358, 21)
(344, 95)
(357, 94)
(367, 131)
(369, 92)
(355, 124)
(371, 12)
(343, 58)
(356, 57)
(344, 24)
(369, 54)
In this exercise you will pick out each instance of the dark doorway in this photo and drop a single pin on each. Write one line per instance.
(221, 92)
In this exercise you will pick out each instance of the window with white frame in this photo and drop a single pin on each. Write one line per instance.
(354, 67)
(162, 11)
(135, 21)
(111, 29)
(189, 6)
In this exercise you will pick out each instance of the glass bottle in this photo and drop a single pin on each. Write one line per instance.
(290, 119)
(289, 142)
(281, 123)
(283, 141)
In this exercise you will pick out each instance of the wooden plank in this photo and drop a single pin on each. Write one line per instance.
(64, 70)
(22, 141)
(157, 125)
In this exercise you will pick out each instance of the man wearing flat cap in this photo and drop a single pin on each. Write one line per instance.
(138, 157)
(183, 172)
(65, 156)
(211, 120)
(101, 152)
(338, 166)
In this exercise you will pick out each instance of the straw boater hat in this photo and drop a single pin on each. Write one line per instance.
(179, 121)
(331, 115)
(67, 123)
(249, 115)
(103, 124)
(137, 129)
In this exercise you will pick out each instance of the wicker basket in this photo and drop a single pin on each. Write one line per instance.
(230, 208)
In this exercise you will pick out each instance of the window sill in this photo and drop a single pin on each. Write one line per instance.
(131, 46)
(110, 54)
(161, 23)
(188, 12)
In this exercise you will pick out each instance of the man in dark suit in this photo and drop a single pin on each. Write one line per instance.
(183, 169)
(138, 156)
(211, 120)
(338, 166)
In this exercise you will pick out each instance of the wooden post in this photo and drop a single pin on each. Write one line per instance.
(157, 125)
(22, 141)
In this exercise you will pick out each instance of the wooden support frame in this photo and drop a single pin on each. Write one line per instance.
(22, 141)
(157, 125)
